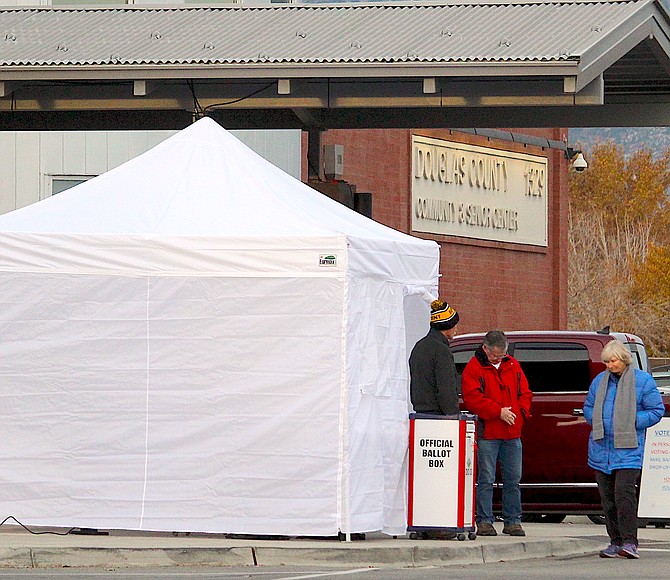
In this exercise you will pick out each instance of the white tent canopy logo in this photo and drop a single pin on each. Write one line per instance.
(328, 260)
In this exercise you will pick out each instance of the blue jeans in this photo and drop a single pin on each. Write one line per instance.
(508, 452)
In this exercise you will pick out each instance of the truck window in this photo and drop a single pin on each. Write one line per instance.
(461, 357)
(637, 362)
(554, 367)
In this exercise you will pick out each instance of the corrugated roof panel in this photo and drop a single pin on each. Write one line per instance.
(352, 33)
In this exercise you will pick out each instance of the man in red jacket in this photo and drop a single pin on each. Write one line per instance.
(496, 390)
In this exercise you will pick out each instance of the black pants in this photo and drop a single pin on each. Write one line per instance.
(618, 495)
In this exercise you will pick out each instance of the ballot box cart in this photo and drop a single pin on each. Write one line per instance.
(442, 459)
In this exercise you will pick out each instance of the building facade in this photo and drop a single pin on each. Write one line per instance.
(493, 283)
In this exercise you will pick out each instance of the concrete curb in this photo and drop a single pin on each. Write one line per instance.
(341, 556)
(538, 549)
(419, 556)
(412, 556)
(124, 557)
(16, 558)
(448, 555)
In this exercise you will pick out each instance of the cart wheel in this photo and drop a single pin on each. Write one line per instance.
(413, 536)
(472, 536)
(461, 537)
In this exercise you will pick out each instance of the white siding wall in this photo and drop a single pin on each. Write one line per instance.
(29, 160)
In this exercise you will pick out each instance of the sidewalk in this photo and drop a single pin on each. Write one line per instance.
(20, 549)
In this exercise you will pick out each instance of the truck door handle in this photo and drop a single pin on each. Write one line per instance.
(578, 412)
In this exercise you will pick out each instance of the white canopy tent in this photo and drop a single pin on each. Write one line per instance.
(196, 341)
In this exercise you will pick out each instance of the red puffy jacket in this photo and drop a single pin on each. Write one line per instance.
(486, 390)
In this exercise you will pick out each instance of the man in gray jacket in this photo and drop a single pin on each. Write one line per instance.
(433, 379)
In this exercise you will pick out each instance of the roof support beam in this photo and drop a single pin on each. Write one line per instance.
(309, 118)
(570, 84)
(144, 88)
(660, 46)
(593, 93)
(624, 114)
(291, 94)
(429, 86)
(283, 87)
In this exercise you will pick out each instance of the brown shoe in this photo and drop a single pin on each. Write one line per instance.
(486, 529)
(514, 530)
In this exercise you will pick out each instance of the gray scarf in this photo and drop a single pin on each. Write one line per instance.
(625, 410)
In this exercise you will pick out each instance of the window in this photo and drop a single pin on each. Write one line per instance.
(461, 357)
(554, 367)
(62, 182)
(637, 362)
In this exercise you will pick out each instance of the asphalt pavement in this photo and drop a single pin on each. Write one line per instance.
(20, 548)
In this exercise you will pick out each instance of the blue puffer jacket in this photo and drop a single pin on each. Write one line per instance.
(603, 456)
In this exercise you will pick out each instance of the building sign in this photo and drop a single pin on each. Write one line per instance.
(478, 192)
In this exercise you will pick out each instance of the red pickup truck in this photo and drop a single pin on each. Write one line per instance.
(560, 366)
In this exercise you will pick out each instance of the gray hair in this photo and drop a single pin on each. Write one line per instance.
(616, 349)
(496, 339)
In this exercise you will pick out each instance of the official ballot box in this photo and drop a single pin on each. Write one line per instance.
(442, 474)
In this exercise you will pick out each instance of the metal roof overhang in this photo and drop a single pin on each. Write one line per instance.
(616, 73)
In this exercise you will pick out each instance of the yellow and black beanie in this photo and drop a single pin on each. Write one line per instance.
(442, 316)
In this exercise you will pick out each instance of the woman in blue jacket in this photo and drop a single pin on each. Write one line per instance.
(622, 403)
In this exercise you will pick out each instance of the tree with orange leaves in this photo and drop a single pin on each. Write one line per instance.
(619, 245)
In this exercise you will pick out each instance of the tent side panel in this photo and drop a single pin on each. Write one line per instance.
(377, 406)
(73, 362)
(171, 402)
(244, 405)
(381, 275)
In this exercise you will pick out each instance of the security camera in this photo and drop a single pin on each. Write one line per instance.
(580, 163)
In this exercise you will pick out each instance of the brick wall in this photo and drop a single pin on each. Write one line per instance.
(491, 284)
